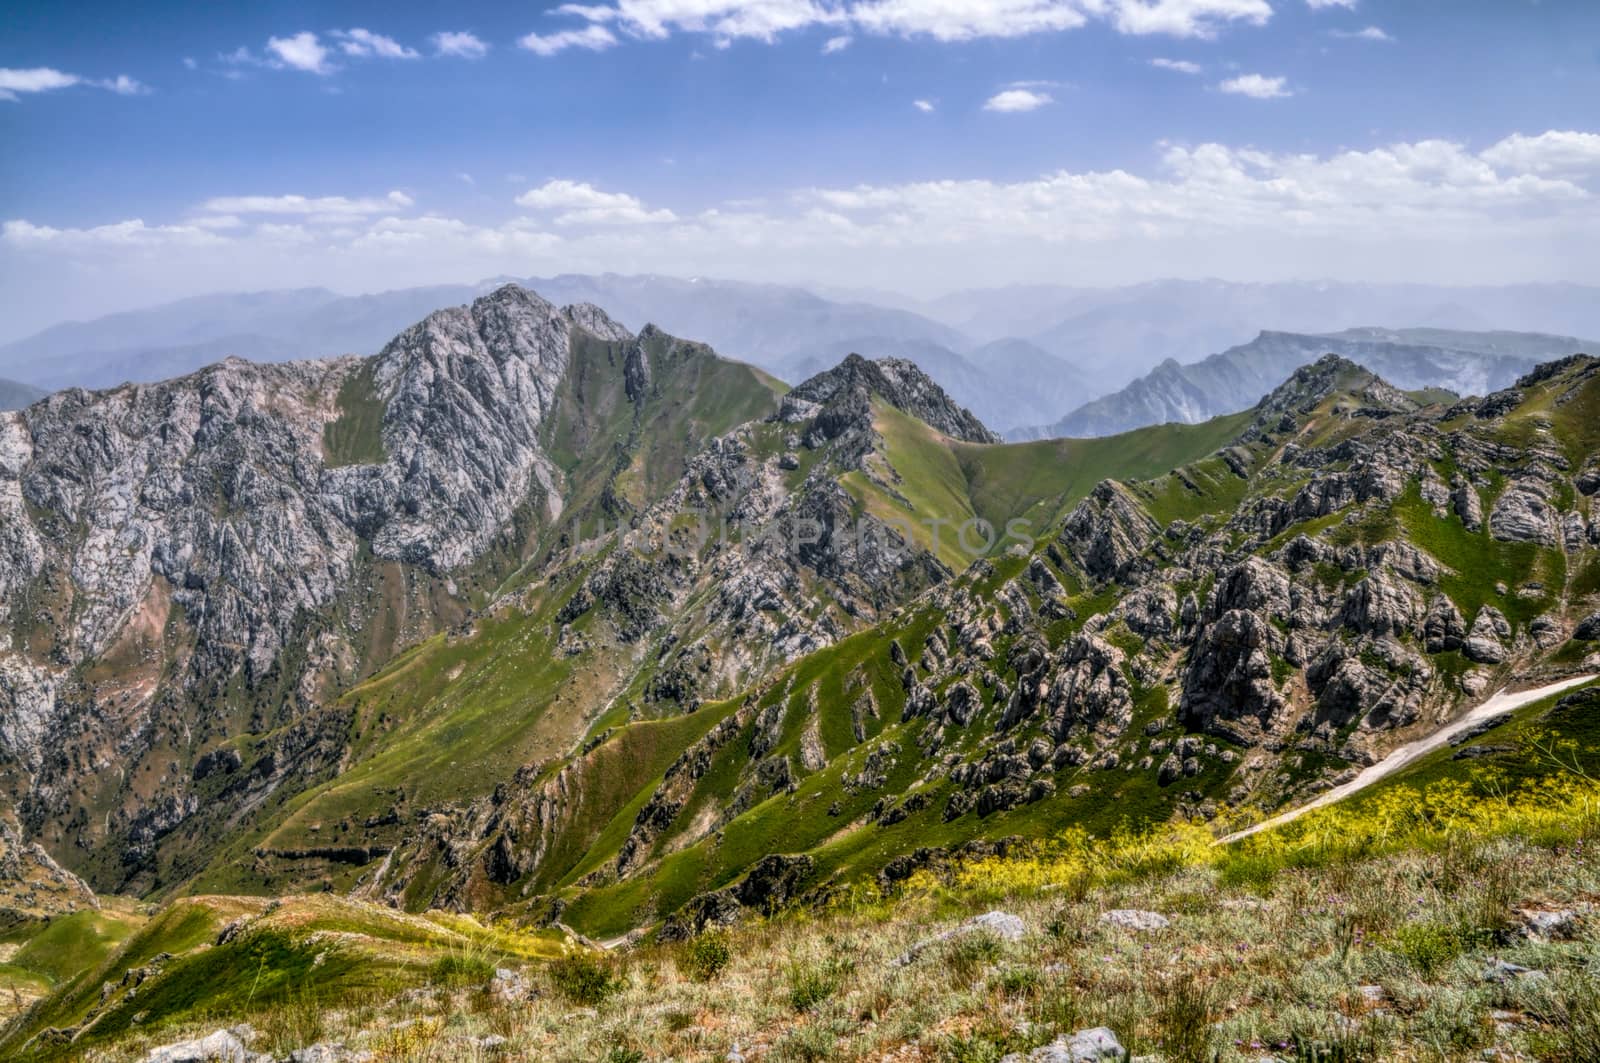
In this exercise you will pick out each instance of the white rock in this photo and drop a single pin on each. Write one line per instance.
(218, 1047)
(1098, 1045)
(1136, 919)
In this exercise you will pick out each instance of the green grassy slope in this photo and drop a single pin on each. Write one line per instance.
(251, 958)
(924, 475)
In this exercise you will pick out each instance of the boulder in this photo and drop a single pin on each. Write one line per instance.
(1135, 919)
(1467, 505)
(1557, 925)
(1485, 642)
(1520, 515)
(219, 1047)
(1444, 629)
(1099, 1045)
(1229, 678)
(1546, 632)
(1501, 971)
(1003, 925)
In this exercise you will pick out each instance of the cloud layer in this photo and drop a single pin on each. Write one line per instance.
(1430, 208)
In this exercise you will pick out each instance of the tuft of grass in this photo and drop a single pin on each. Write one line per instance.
(584, 978)
(812, 981)
(1184, 1013)
(466, 964)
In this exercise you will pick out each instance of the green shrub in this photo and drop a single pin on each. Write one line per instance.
(974, 1049)
(1018, 981)
(1429, 946)
(704, 957)
(813, 981)
(583, 978)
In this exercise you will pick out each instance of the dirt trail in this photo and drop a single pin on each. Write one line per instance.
(1499, 705)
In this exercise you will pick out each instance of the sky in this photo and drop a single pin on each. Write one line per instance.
(156, 150)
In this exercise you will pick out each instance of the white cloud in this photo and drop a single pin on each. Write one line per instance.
(1187, 18)
(966, 21)
(314, 206)
(835, 44)
(301, 52)
(460, 44)
(122, 85)
(592, 38)
(1182, 66)
(1548, 153)
(14, 82)
(945, 20)
(1017, 100)
(925, 106)
(580, 203)
(1257, 86)
(1370, 33)
(362, 44)
(36, 79)
(1323, 5)
(465, 178)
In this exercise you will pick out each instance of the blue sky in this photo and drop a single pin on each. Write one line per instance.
(156, 150)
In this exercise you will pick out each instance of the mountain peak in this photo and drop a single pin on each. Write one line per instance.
(847, 388)
(1329, 375)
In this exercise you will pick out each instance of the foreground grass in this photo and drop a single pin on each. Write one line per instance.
(1360, 932)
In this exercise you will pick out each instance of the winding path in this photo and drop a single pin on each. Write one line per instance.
(1499, 705)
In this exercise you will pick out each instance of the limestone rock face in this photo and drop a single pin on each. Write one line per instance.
(1108, 531)
(1382, 605)
(1228, 685)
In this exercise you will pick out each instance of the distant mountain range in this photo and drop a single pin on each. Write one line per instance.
(1016, 356)
(14, 396)
(1467, 363)
(1117, 334)
(766, 325)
